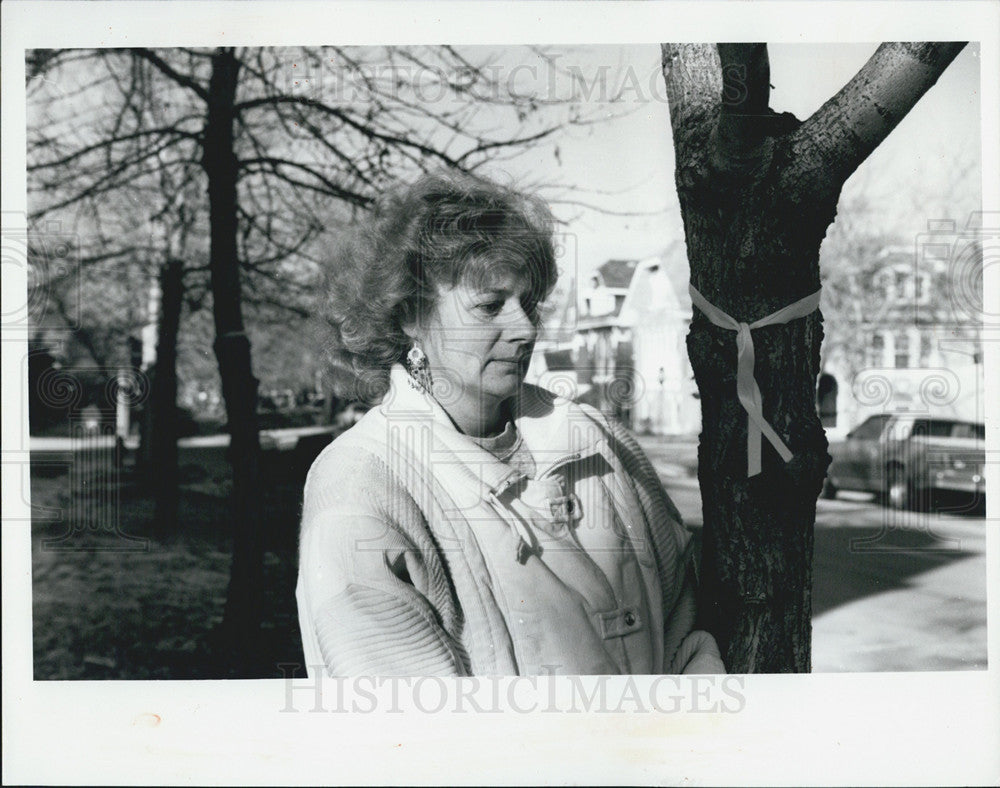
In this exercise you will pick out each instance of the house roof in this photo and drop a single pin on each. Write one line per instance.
(659, 285)
(631, 278)
(617, 273)
(674, 261)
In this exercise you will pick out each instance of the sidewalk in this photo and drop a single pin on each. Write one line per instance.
(892, 591)
(674, 456)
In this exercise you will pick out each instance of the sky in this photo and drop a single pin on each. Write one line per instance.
(626, 164)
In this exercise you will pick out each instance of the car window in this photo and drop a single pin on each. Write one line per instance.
(941, 429)
(871, 428)
(965, 429)
(931, 428)
(944, 428)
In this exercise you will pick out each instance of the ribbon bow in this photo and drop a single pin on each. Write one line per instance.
(746, 386)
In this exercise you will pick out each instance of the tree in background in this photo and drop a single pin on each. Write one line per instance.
(850, 256)
(174, 226)
(286, 144)
(853, 298)
(758, 191)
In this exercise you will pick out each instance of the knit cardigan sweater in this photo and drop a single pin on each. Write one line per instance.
(422, 554)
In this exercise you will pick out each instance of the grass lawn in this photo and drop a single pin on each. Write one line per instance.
(118, 604)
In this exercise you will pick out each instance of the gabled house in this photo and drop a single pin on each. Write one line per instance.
(657, 313)
(622, 347)
(917, 345)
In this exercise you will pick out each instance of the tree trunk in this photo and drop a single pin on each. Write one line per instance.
(232, 348)
(753, 247)
(162, 471)
(757, 192)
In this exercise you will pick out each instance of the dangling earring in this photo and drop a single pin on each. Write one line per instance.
(418, 369)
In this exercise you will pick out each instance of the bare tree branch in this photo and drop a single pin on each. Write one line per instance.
(842, 133)
(110, 143)
(181, 79)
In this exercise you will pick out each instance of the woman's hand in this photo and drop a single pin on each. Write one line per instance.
(698, 653)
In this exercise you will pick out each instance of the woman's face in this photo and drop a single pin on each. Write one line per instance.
(478, 341)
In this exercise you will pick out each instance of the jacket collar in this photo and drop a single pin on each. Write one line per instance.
(554, 429)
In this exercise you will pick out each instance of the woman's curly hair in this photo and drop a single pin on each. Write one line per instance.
(440, 231)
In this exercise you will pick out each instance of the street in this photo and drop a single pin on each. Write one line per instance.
(892, 591)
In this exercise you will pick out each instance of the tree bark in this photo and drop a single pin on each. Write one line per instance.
(162, 470)
(757, 192)
(241, 620)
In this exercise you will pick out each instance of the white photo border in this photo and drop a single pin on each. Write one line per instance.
(919, 728)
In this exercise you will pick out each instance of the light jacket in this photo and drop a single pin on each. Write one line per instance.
(423, 554)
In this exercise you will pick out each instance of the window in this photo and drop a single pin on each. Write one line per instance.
(900, 285)
(876, 351)
(932, 428)
(924, 349)
(826, 399)
(871, 428)
(964, 429)
(902, 350)
(946, 428)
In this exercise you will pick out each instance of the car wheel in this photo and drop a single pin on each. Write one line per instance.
(898, 490)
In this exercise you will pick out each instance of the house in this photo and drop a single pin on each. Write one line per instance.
(656, 313)
(606, 290)
(622, 346)
(916, 345)
(602, 345)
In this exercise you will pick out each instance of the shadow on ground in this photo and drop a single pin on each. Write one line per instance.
(881, 558)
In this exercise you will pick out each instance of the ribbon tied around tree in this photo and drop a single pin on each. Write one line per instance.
(747, 389)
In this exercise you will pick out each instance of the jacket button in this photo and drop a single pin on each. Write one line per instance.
(629, 618)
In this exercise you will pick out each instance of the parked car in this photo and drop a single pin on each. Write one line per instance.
(905, 457)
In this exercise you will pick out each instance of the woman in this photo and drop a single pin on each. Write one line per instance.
(470, 523)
